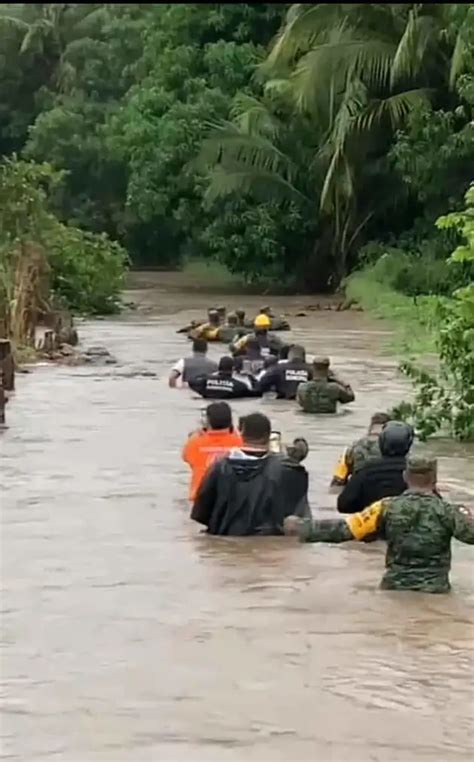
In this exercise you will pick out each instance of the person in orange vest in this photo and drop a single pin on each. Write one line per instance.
(216, 438)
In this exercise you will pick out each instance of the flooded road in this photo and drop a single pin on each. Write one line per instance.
(128, 636)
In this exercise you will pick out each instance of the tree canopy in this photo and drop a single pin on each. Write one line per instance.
(278, 139)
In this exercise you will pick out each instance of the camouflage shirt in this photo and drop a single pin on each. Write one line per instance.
(418, 528)
(361, 451)
(355, 456)
(320, 396)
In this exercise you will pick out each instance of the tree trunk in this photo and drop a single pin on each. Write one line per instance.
(7, 365)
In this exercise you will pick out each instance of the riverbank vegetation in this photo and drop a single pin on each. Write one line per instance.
(291, 144)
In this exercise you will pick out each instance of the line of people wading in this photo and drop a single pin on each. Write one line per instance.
(246, 482)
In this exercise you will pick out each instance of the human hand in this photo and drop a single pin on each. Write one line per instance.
(292, 525)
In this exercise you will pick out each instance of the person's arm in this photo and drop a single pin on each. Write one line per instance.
(206, 496)
(341, 473)
(364, 526)
(238, 347)
(351, 498)
(176, 372)
(190, 447)
(268, 381)
(300, 393)
(345, 394)
(463, 524)
(242, 390)
(198, 385)
(294, 487)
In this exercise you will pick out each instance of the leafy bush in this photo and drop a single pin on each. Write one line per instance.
(446, 400)
(86, 269)
(416, 273)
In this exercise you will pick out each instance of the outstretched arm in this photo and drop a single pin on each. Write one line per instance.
(463, 524)
(346, 394)
(366, 525)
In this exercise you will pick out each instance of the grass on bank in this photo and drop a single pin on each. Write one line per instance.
(211, 276)
(413, 318)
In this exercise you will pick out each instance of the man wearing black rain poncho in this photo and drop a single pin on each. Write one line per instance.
(251, 491)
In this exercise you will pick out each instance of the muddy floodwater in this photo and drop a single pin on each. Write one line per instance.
(127, 635)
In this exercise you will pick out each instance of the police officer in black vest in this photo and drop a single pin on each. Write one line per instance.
(285, 378)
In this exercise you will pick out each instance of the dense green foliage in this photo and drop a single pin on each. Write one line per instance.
(446, 400)
(46, 261)
(278, 139)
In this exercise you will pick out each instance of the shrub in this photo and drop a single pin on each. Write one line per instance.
(86, 269)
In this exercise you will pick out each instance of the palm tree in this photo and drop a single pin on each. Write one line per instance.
(46, 32)
(354, 72)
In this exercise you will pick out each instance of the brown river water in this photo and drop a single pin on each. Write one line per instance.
(129, 636)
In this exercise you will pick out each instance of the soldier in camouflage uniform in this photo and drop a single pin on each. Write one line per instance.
(230, 330)
(322, 394)
(364, 449)
(417, 525)
(209, 330)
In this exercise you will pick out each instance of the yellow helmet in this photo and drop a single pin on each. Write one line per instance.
(262, 321)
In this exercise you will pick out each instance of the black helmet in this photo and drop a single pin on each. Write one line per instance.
(396, 438)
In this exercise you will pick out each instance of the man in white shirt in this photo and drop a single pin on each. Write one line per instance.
(189, 368)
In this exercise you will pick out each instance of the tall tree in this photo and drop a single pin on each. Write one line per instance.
(355, 72)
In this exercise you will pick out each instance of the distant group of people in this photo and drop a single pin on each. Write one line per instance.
(259, 364)
(242, 484)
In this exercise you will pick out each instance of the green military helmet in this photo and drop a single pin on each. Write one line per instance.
(421, 465)
(321, 362)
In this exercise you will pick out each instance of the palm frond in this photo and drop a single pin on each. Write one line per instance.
(305, 25)
(12, 23)
(458, 59)
(35, 37)
(228, 147)
(340, 60)
(395, 107)
(252, 117)
(261, 185)
(419, 35)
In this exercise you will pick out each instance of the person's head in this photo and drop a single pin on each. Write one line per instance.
(213, 317)
(321, 367)
(421, 473)
(378, 421)
(238, 364)
(262, 323)
(240, 316)
(219, 416)
(221, 311)
(297, 352)
(285, 351)
(269, 361)
(240, 424)
(266, 310)
(256, 430)
(232, 318)
(395, 439)
(200, 346)
(226, 366)
(253, 347)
